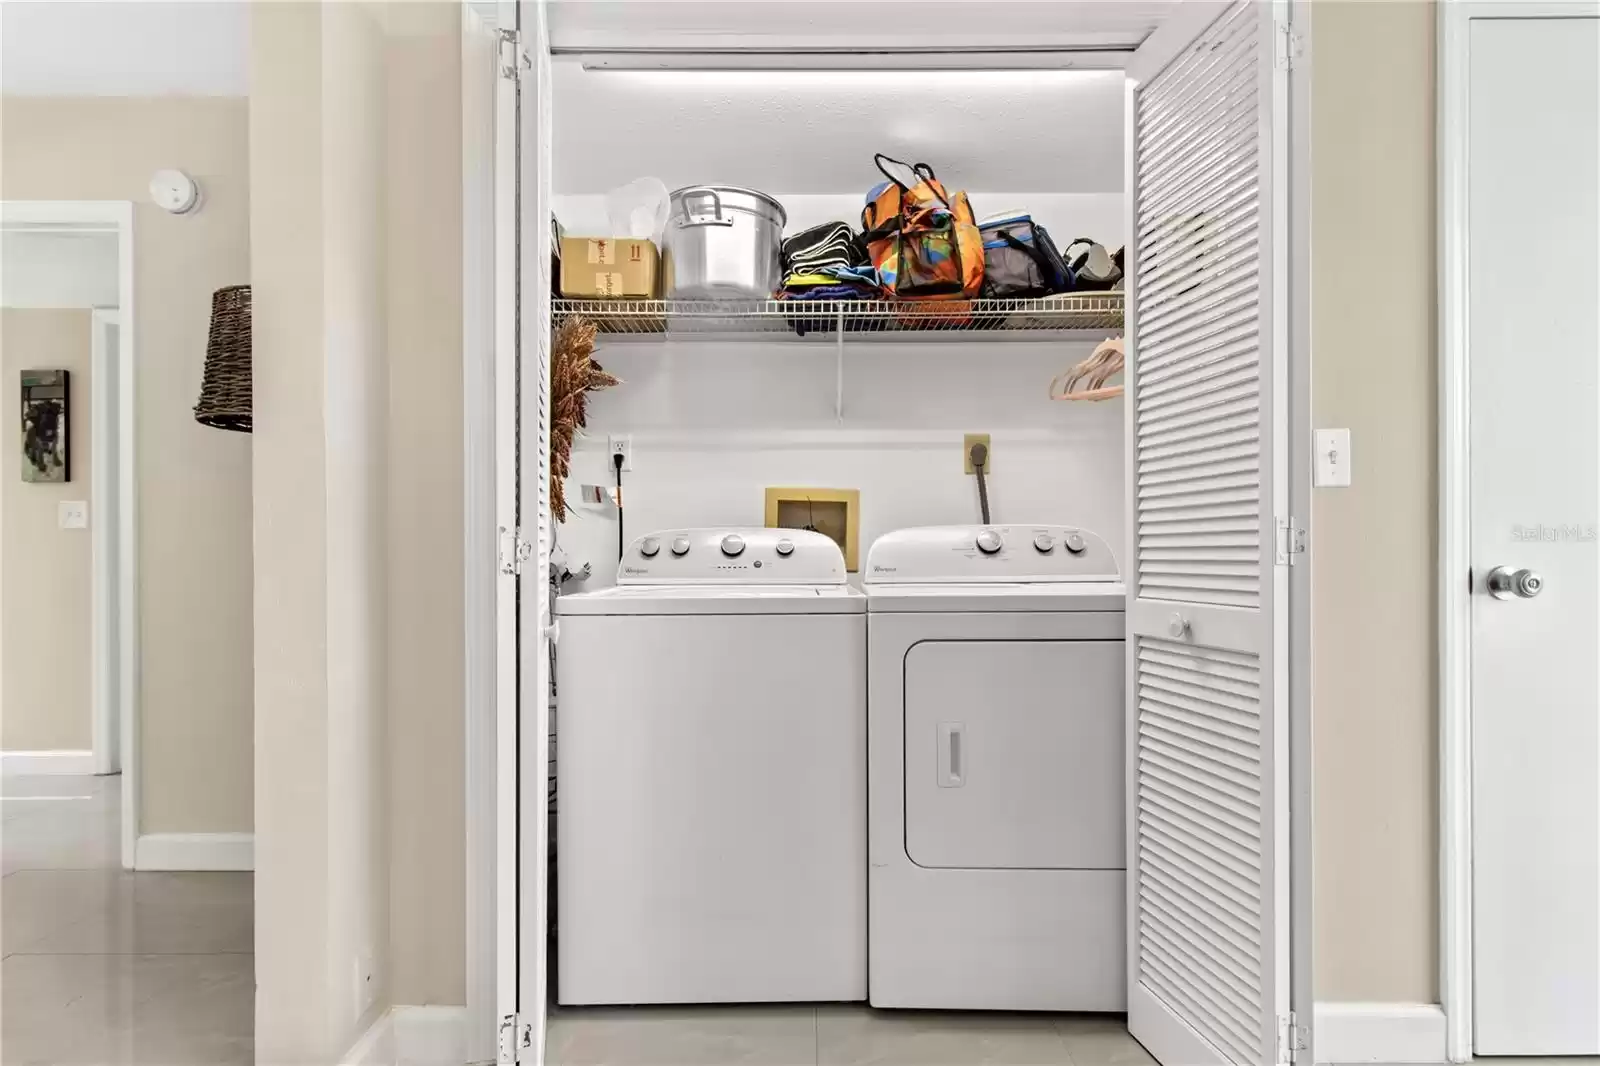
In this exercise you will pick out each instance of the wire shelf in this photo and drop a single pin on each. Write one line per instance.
(1097, 311)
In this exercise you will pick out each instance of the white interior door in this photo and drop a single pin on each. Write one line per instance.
(1533, 352)
(1208, 821)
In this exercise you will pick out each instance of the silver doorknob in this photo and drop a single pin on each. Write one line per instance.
(1505, 584)
(1178, 626)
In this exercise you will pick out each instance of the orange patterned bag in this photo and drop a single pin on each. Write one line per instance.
(923, 241)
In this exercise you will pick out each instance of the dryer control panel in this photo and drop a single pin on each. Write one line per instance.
(735, 556)
(936, 554)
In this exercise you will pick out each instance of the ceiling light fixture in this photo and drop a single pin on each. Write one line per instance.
(1048, 60)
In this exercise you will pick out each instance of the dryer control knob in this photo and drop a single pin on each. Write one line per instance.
(1075, 543)
(680, 546)
(989, 542)
(649, 547)
(786, 548)
(1045, 543)
(732, 545)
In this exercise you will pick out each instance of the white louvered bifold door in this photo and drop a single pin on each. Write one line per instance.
(522, 219)
(1207, 651)
(533, 229)
(507, 451)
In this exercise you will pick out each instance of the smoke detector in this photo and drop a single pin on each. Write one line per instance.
(175, 191)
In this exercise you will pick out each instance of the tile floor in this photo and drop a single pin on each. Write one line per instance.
(106, 967)
(834, 1036)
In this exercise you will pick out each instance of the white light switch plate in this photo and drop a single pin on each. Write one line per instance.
(73, 514)
(1333, 458)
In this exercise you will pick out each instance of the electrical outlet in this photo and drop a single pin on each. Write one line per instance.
(622, 446)
(966, 452)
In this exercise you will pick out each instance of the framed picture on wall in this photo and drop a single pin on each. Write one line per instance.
(45, 457)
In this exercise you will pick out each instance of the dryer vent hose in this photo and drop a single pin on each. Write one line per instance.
(980, 459)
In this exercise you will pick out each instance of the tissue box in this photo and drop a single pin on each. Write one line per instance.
(608, 268)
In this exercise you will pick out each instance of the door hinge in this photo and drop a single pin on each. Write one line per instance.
(514, 551)
(1290, 46)
(1293, 1039)
(1291, 543)
(513, 58)
(516, 1037)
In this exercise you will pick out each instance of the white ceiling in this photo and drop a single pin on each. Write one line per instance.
(125, 48)
(816, 132)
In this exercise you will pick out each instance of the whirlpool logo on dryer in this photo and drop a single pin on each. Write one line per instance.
(635, 570)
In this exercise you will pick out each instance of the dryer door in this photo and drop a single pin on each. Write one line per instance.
(1014, 754)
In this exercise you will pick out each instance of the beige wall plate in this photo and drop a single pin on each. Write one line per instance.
(966, 452)
(835, 513)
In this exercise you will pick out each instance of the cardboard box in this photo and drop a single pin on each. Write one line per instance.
(608, 268)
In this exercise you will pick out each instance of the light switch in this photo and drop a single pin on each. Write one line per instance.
(73, 514)
(1333, 458)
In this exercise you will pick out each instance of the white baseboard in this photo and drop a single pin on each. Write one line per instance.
(47, 762)
(412, 1036)
(375, 1047)
(1379, 1032)
(195, 851)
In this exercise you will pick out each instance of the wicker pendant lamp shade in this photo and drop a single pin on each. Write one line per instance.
(225, 390)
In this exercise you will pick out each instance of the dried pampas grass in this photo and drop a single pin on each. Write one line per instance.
(573, 375)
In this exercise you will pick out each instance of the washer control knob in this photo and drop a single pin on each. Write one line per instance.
(1044, 542)
(732, 545)
(649, 547)
(989, 542)
(680, 546)
(786, 548)
(1075, 543)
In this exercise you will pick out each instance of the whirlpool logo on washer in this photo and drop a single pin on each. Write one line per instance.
(879, 568)
(635, 570)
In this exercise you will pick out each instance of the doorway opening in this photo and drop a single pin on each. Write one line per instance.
(69, 264)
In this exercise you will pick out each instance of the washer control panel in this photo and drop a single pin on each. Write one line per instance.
(934, 554)
(732, 556)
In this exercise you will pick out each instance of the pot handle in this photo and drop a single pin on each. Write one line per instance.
(716, 218)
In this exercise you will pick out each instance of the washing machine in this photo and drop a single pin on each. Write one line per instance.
(711, 791)
(995, 770)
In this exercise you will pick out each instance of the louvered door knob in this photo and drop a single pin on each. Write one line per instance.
(1178, 627)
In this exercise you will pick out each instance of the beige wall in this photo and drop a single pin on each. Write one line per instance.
(195, 691)
(426, 617)
(1373, 313)
(293, 767)
(356, 133)
(45, 634)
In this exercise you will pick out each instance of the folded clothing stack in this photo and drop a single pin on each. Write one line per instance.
(830, 244)
(827, 262)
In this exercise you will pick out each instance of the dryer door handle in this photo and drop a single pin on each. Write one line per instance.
(952, 769)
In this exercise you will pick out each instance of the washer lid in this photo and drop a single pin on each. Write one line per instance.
(966, 554)
(991, 597)
(713, 599)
